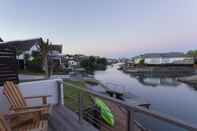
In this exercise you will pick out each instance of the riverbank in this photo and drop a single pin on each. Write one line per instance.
(159, 69)
(165, 71)
(189, 79)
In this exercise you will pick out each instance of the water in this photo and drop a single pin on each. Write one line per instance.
(166, 95)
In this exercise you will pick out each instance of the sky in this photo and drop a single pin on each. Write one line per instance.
(109, 28)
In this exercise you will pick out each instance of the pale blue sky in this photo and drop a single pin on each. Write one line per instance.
(112, 28)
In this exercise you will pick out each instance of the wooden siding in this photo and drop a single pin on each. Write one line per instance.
(8, 65)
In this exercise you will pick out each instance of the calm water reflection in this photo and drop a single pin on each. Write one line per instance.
(165, 94)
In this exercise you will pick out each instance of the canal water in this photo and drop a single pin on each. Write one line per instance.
(165, 94)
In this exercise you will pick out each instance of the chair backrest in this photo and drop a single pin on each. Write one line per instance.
(3, 124)
(14, 95)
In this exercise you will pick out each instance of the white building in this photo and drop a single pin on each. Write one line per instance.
(27, 47)
(165, 58)
(72, 63)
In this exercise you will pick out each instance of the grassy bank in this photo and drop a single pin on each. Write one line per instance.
(71, 95)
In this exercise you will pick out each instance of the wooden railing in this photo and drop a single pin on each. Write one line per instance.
(132, 110)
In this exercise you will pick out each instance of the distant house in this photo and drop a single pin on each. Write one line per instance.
(72, 63)
(165, 58)
(55, 53)
(27, 47)
(23, 47)
(112, 61)
(129, 63)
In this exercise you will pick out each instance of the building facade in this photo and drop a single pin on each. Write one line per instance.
(165, 58)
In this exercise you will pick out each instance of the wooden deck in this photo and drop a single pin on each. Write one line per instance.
(62, 119)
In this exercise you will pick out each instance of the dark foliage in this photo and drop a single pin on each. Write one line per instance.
(192, 53)
(35, 65)
(1, 40)
(92, 63)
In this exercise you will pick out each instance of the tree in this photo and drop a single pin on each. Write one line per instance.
(26, 59)
(192, 53)
(44, 50)
(51, 64)
(35, 54)
(1, 40)
(102, 61)
(92, 63)
(18, 51)
(141, 62)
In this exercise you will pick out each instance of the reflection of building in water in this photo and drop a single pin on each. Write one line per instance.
(157, 81)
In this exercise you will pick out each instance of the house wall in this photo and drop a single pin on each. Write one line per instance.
(33, 48)
(173, 60)
(153, 60)
(37, 88)
(72, 63)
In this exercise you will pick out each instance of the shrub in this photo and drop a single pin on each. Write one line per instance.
(92, 63)
(35, 65)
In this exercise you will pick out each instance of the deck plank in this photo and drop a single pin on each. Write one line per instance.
(63, 119)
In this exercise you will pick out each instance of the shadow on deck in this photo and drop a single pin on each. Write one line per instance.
(63, 119)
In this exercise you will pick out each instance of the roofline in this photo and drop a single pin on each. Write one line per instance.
(5, 42)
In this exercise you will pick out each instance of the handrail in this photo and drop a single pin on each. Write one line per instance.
(154, 114)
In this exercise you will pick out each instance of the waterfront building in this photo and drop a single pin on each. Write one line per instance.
(175, 58)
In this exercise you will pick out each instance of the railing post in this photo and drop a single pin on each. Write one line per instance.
(80, 107)
(131, 120)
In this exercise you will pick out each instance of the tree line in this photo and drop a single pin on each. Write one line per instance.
(92, 63)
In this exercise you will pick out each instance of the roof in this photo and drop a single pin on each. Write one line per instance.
(162, 55)
(22, 45)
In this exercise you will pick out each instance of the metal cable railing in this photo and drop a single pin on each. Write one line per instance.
(131, 110)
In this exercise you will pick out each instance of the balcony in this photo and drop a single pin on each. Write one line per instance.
(61, 118)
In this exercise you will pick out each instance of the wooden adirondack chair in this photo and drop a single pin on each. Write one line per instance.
(37, 125)
(3, 124)
(18, 102)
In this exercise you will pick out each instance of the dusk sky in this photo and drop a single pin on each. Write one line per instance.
(110, 28)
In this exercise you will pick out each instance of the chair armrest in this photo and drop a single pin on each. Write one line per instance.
(19, 113)
(49, 107)
(43, 97)
(30, 107)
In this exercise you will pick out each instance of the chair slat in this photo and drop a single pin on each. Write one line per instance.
(8, 94)
(18, 94)
(14, 95)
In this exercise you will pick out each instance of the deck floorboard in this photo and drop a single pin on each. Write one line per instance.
(63, 119)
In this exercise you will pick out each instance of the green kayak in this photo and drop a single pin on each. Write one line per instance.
(106, 113)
